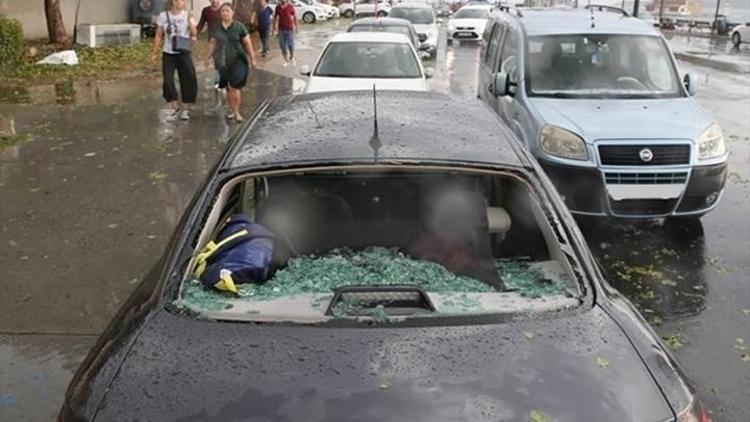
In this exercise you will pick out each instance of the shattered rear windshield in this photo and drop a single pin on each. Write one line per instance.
(315, 246)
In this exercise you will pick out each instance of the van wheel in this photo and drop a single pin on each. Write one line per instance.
(349, 14)
(736, 39)
(382, 14)
(309, 17)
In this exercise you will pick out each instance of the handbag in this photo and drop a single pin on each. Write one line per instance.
(180, 44)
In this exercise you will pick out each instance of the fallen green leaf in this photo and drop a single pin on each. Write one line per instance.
(537, 416)
(602, 362)
(528, 334)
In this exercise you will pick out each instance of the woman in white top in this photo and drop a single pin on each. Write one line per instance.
(175, 22)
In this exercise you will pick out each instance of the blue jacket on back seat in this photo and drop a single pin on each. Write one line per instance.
(241, 254)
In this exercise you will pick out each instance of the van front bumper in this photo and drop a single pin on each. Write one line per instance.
(594, 191)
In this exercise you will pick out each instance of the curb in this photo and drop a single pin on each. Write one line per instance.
(712, 63)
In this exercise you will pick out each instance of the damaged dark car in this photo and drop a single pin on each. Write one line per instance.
(400, 272)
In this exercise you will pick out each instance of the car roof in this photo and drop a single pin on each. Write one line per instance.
(381, 22)
(414, 5)
(476, 6)
(338, 128)
(369, 37)
(578, 21)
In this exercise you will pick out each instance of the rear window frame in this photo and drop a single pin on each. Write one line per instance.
(583, 276)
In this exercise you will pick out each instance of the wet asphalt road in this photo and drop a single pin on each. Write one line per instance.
(98, 178)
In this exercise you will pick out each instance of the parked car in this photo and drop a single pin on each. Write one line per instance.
(358, 60)
(468, 23)
(331, 11)
(740, 34)
(144, 13)
(393, 25)
(423, 18)
(596, 96)
(351, 325)
(360, 8)
(308, 13)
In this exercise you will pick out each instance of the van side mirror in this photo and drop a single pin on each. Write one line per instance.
(501, 85)
(304, 70)
(691, 83)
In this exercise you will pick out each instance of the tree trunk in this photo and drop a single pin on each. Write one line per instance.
(55, 24)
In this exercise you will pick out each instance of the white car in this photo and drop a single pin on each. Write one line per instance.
(468, 23)
(331, 11)
(364, 8)
(354, 61)
(740, 34)
(309, 14)
(423, 18)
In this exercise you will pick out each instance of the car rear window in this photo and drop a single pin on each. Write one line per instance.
(368, 60)
(383, 244)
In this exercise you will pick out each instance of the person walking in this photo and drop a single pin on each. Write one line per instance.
(285, 23)
(210, 18)
(175, 34)
(265, 21)
(232, 52)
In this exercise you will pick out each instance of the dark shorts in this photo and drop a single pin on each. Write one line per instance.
(234, 75)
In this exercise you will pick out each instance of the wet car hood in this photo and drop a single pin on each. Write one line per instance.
(425, 28)
(678, 118)
(573, 368)
(325, 84)
(471, 23)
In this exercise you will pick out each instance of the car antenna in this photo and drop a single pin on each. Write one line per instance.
(375, 139)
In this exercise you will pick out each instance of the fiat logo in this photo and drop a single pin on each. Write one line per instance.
(646, 155)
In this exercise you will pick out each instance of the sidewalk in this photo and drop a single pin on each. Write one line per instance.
(716, 53)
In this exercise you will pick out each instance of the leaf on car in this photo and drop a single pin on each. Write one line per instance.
(528, 334)
(602, 362)
(538, 416)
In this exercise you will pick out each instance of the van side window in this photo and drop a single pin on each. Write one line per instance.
(494, 45)
(509, 58)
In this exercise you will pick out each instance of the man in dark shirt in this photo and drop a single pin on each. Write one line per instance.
(210, 18)
(285, 21)
(265, 19)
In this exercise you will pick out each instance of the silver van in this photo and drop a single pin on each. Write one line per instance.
(597, 98)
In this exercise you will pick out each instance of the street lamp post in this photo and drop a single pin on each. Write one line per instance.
(636, 5)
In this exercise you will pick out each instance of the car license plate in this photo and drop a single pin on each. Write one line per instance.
(464, 35)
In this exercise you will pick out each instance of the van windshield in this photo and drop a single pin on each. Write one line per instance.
(601, 66)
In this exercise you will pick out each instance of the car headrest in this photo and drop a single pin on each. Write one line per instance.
(498, 220)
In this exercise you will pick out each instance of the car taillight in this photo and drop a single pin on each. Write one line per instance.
(694, 413)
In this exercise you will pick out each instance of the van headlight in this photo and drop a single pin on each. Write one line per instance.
(711, 143)
(562, 143)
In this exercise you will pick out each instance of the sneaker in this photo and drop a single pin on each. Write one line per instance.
(294, 62)
(263, 54)
(238, 117)
(174, 115)
(286, 63)
(184, 115)
(230, 116)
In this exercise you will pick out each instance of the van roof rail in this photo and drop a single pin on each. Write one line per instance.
(507, 8)
(605, 8)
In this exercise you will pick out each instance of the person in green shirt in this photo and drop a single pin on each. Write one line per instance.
(232, 52)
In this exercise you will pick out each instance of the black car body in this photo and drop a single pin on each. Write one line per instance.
(594, 361)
